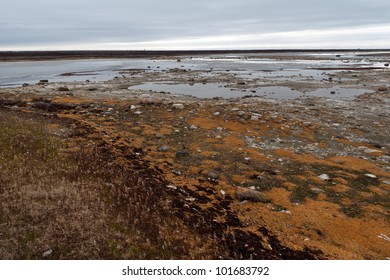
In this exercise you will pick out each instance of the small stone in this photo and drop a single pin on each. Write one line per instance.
(25, 85)
(172, 187)
(382, 89)
(370, 175)
(386, 182)
(163, 149)
(219, 128)
(193, 127)
(47, 253)
(218, 137)
(217, 113)
(324, 177)
(178, 106)
(240, 113)
(182, 153)
(138, 112)
(212, 176)
(370, 151)
(63, 89)
(133, 107)
(254, 118)
(317, 190)
(251, 195)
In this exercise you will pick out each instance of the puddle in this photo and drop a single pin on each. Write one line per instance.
(197, 90)
(212, 90)
(338, 92)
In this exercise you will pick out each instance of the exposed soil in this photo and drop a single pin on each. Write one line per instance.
(245, 178)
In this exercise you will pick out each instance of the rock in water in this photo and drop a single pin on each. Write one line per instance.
(251, 195)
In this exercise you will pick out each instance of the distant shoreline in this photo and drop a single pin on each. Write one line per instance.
(64, 55)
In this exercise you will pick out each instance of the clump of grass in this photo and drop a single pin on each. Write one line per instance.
(352, 211)
(299, 194)
(362, 182)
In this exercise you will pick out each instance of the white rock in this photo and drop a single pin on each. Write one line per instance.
(138, 112)
(369, 151)
(254, 118)
(324, 177)
(178, 106)
(240, 113)
(171, 187)
(193, 127)
(370, 175)
(47, 253)
(217, 113)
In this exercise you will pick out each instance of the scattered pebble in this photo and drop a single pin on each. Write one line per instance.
(251, 195)
(47, 253)
(324, 177)
(370, 175)
(172, 187)
(178, 106)
(182, 153)
(384, 237)
(317, 190)
(163, 149)
(212, 176)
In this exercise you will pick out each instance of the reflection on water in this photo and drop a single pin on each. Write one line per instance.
(243, 66)
(212, 90)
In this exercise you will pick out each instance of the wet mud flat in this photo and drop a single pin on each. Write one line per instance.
(246, 177)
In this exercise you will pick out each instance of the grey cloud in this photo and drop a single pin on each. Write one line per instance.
(48, 21)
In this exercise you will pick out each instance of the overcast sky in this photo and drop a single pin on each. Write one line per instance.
(199, 24)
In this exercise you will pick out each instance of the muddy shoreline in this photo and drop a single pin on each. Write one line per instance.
(241, 178)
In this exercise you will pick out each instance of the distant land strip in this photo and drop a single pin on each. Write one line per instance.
(54, 55)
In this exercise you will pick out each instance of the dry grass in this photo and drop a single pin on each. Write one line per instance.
(73, 205)
(71, 192)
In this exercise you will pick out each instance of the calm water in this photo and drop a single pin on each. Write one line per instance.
(276, 92)
(17, 73)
